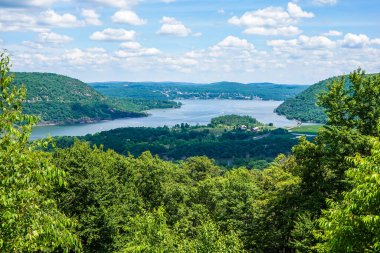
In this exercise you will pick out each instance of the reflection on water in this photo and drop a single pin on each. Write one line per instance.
(192, 112)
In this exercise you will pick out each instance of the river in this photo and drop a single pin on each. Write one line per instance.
(192, 112)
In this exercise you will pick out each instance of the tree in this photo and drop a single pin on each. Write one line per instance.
(354, 105)
(349, 221)
(353, 224)
(29, 218)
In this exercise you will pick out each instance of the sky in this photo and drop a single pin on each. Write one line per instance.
(291, 42)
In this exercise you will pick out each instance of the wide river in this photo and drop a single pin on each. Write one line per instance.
(192, 112)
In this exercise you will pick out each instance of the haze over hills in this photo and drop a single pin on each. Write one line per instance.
(183, 90)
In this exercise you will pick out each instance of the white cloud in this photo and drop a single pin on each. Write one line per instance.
(171, 26)
(138, 52)
(325, 2)
(235, 42)
(27, 20)
(375, 42)
(130, 45)
(333, 33)
(316, 42)
(91, 17)
(272, 20)
(15, 20)
(302, 42)
(55, 38)
(89, 57)
(295, 11)
(135, 49)
(117, 3)
(355, 41)
(198, 34)
(127, 17)
(110, 34)
(168, 1)
(52, 18)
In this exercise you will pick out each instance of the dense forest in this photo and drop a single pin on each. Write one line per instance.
(229, 140)
(221, 90)
(322, 197)
(60, 99)
(304, 106)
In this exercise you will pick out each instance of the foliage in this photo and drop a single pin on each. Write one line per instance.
(353, 224)
(354, 107)
(234, 121)
(231, 148)
(29, 218)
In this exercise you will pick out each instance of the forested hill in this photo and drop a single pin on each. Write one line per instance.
(220, 90)
(61, 99)
(303, 106)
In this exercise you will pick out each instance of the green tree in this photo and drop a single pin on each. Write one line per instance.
(355, 106)
(324, 166)
(95, 195)
(353, 224)
(29, 218)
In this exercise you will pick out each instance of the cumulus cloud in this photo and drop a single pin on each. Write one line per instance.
(26, 20)
(127, 17)
(135, 49)
(355, 40)
(14, 20)
(55, 38)
(131, 45)
(52, 18)
(87, 58)
(375, 42)
(272, 20)
(235, 42)
(295, 11)
(110, 34)
(302, 42)
(91, 17)
(171, 26)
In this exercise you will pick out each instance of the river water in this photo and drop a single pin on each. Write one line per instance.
(192, 112)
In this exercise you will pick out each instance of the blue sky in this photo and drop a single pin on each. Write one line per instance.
(299, 41)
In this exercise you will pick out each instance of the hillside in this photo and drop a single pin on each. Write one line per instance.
(303, 106)
(60, 99)
(220, 90)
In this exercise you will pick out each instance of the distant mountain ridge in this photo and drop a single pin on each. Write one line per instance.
(178, 90)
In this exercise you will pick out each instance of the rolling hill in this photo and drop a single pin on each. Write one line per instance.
(303, 106)
(60, 99)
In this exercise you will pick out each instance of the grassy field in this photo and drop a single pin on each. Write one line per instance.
(306, 129)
